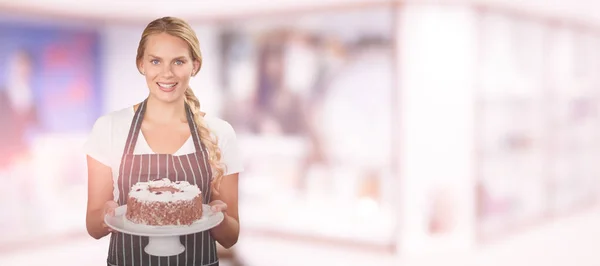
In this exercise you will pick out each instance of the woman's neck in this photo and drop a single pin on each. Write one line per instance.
(165, 113)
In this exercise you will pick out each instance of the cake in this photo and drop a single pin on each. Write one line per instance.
(162, 203)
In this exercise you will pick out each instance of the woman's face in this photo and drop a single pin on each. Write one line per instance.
(167, 65)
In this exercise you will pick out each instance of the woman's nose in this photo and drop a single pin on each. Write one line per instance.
(167, 71)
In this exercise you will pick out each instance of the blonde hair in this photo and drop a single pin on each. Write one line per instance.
(179, 28)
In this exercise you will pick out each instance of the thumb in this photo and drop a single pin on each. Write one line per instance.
(214, 189)
(109, 207)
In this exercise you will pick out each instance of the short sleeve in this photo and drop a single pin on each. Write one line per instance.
(230, 151)
(98, 144)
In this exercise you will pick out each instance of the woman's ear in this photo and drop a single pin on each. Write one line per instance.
(141, 68)
(196, 67)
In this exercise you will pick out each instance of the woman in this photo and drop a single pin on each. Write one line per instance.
(153, 138)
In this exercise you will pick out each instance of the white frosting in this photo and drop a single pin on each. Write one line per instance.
(187, 191)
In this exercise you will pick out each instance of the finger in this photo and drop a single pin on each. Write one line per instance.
(219, 207)
(215, 207)
(218, 203)
(215, 202)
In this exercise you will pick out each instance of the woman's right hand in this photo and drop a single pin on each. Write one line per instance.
(109, 209)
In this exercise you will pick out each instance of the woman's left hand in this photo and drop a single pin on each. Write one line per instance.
(217, 205)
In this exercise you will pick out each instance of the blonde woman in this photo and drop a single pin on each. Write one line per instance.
(165, 135)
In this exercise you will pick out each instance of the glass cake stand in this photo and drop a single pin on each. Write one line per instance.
(163, 240)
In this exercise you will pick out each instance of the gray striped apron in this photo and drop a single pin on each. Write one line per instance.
(127, 249)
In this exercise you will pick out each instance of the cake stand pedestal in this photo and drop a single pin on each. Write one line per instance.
(164, 246)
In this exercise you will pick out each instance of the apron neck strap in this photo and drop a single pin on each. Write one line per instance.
(134, 129)
(193, 129)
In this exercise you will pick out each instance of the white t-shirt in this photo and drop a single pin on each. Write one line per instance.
(106, 142)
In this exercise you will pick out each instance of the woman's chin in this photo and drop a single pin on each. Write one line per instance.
(167, 96)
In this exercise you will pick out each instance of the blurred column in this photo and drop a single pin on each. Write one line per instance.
(436, 59)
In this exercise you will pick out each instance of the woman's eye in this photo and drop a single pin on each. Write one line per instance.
(154, 62)
(179, 62)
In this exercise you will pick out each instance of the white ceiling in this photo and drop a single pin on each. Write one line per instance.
(579, 11)
(585, 11)
(143, 10)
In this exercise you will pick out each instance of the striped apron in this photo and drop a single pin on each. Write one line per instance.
(127, 249)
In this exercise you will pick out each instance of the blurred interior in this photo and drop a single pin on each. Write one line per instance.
(373, 132)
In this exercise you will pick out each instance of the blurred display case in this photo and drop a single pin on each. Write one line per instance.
(49, 95)
(311, 101)
(574, 84)
(537, 121)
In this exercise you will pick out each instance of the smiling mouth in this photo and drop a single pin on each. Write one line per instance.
(167, 87)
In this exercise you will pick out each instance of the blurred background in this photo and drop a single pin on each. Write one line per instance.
(373, 132)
